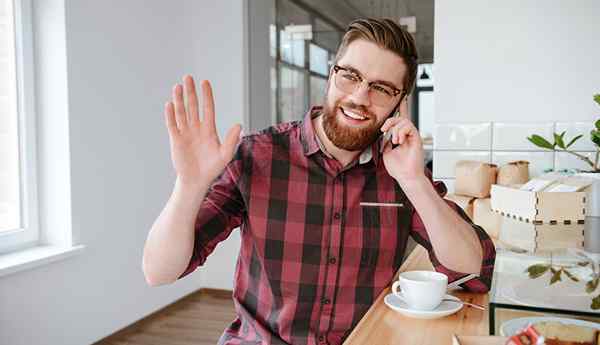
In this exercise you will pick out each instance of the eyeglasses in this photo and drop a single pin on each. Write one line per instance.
(349, 81)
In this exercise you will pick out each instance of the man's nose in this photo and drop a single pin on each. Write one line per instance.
(360, 96)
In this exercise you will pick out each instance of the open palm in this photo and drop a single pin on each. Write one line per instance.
(197, 154)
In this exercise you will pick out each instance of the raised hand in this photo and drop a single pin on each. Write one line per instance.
(197, 154)
(404, 162)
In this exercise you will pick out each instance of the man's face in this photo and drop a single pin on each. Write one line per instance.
(350, 120)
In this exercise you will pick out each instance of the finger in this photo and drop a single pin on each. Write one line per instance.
(209, 106)
(179, 108)
(192, 100)
(405, 133)
(170, 119)
(230, 143)
(391, 122)
(397, 132)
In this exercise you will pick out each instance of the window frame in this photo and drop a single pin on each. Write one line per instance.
(28, 234)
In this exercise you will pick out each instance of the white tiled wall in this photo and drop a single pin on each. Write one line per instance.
(466, 136)
(502, 142)
(513, 136)
(444, 161)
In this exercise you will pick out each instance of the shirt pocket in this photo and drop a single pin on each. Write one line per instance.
(382, 236)
(379, 236)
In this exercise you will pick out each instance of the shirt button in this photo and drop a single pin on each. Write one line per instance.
(332, 260)
(326, 301)
(337, 215)
(321, 338)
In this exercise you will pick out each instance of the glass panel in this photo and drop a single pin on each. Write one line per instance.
(10, 197)
(273, 93)
(273, 40)
(292, 50)
(318, 87)
(291, 46)
(291, 92)
(319, 59)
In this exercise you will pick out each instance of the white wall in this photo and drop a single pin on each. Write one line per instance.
(123, 57)
(516, 61)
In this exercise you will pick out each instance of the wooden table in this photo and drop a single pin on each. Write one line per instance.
(383, 326)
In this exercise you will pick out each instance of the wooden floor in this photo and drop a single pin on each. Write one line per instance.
(197, 319)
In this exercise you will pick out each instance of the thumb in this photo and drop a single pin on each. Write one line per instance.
(230, 143)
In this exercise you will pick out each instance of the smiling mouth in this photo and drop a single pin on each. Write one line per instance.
(353, 115)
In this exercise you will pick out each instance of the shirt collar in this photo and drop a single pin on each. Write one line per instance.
(311, 143)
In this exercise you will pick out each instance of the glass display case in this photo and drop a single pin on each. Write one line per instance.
(560, 283)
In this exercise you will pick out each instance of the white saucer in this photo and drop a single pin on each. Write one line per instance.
(444, 309)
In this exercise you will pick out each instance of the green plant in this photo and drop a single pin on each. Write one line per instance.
(538, 270)
(559, 142)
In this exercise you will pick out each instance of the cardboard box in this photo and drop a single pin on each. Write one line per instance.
(538, 207)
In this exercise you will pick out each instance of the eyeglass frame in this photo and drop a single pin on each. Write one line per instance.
(337, 68)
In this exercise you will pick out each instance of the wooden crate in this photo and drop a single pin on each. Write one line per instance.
(539, 207)
(540, 237)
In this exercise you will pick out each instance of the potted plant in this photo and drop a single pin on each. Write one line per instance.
(560, 144)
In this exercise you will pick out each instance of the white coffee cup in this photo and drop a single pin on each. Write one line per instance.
(422, 290)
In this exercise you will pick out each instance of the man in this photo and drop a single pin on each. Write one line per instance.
(312, 258)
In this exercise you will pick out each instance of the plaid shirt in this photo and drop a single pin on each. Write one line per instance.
(312, 260)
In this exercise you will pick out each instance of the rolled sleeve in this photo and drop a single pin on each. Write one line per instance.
(419, 233)
(220, 213)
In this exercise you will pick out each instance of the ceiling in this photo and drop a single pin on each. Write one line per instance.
(343, 11)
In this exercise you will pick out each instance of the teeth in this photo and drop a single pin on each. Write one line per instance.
(354, 115)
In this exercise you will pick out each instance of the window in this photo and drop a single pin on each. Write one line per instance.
(292, 97)
(319, 60)
(306, 43)
(18, 197)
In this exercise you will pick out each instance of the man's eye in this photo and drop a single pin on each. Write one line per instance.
(350, 76)
(381, 89)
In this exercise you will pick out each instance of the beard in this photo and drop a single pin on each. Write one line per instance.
(347, 137)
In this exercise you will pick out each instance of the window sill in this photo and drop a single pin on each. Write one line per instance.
(34, 257)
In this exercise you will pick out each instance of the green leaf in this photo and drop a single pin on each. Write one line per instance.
(597, 124)
(536, 271)
(558, 139)
(596, 303)
(573, 140)
(591, 285)
(597, 99)
(555, 275)
(571, 276)
(595, 137)
(540, 142)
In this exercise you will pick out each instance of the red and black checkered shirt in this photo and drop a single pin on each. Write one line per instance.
(312, 260)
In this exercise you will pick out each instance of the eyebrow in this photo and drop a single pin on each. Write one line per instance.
(383, 82)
